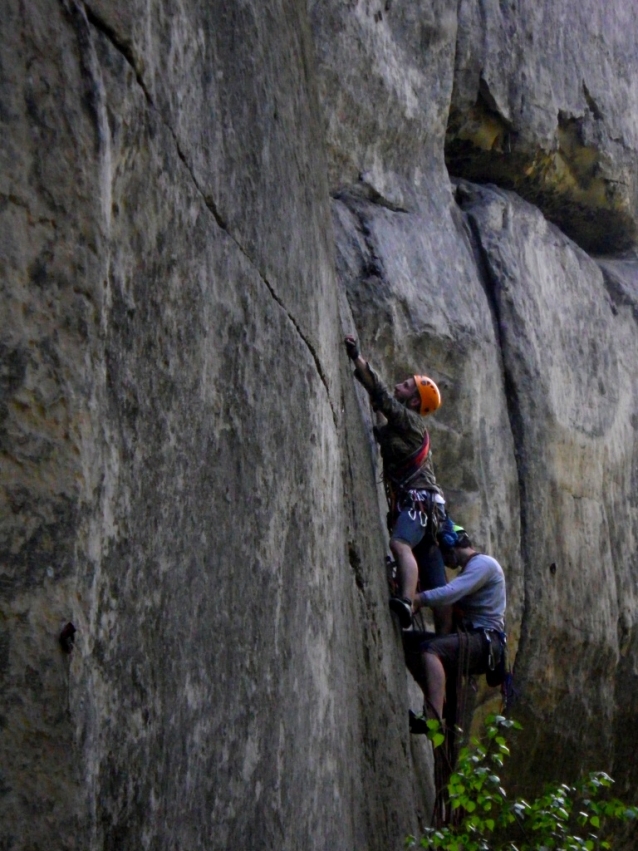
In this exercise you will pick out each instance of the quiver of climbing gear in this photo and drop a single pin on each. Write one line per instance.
(425, 506)
(496, 666)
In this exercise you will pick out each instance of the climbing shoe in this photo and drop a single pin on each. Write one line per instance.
(418, 723)
(402, 608)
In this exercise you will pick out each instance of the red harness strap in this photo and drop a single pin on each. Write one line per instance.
(403, 477)
(413, 464)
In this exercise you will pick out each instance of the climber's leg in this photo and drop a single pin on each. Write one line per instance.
(407, 568)
(432, 575)
(434, 685)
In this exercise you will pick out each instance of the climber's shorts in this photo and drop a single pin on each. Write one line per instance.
(410, 527)
(411, 531)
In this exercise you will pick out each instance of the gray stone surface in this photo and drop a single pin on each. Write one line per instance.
(188, 473)
(385, 74)
(545, 102)
(175, 472)
(569, 351)
(553, 87)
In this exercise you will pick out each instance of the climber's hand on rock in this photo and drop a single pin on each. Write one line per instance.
(352, 347)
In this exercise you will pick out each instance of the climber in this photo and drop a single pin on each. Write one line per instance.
(417, 506)
(479, 594)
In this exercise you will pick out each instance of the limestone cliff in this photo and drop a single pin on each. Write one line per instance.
(197, 201)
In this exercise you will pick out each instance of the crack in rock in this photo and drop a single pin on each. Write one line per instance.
(373, 264)
(121, 46)
(365, 189)
(490, 285)
(127, 52)
(306, 341)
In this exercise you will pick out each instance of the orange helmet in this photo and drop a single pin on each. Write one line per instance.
(429, 393)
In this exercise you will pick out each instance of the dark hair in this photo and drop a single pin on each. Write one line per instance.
(463, 541)
(448, 551)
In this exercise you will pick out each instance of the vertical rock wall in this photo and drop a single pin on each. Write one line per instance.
(187, 470)
(544, 102)
(173, 449)
(531, 342)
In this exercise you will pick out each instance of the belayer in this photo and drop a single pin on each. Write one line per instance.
(416, 502)
(478, 645)
(443, 665)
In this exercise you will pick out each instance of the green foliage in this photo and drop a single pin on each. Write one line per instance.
(565, 818)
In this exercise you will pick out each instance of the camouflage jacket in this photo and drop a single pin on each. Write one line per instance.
(401, 436)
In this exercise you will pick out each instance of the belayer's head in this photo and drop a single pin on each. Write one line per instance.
(456, 547)
(419, 393)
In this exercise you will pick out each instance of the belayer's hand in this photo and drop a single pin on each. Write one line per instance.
(351, 347)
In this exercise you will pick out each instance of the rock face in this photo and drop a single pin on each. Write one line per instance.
(568, 348)
(544, 103)
(175, 452)
(197, 201)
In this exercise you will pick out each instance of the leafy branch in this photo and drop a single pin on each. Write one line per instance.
(565, 817)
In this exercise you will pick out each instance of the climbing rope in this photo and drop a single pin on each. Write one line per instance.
(457, 718)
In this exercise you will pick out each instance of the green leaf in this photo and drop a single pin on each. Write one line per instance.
(547, 820)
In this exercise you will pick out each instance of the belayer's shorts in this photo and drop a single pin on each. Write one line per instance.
(446, 647)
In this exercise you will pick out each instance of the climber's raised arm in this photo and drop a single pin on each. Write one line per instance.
(363, 372)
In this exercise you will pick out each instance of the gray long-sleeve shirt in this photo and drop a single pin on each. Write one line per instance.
(479, 590)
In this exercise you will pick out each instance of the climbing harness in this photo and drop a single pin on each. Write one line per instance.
(398, 484)
(426, 506)
(496, 662)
